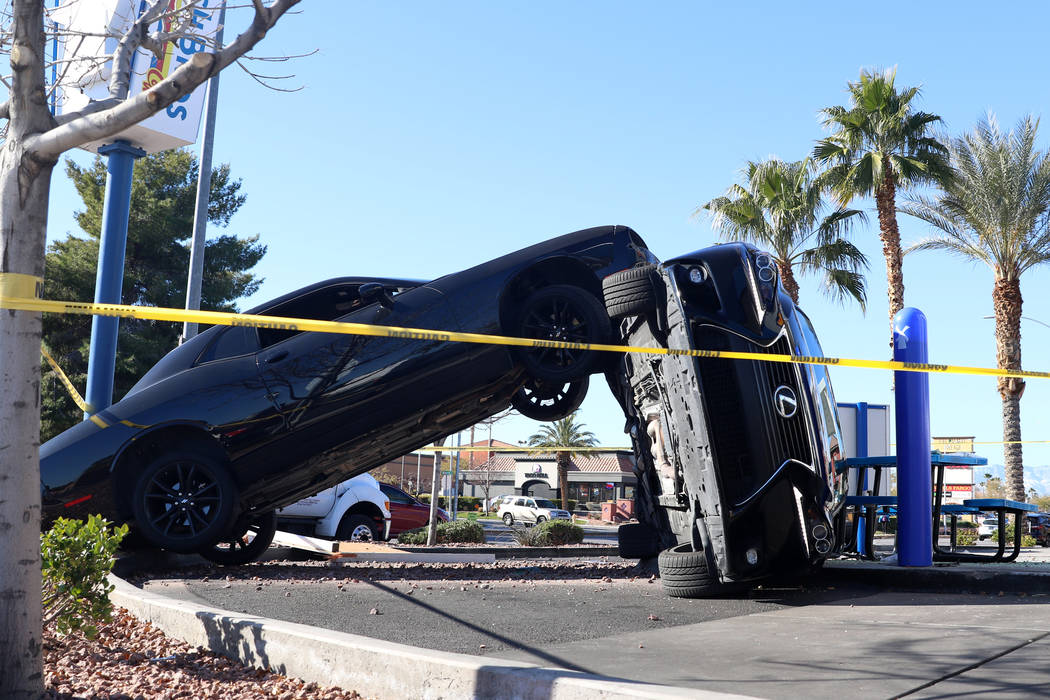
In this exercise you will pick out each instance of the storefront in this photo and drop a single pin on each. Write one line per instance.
(594, 478)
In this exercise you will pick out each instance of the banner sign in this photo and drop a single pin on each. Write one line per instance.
(93, 28)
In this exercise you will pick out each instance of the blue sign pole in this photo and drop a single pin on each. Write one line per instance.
(110, 274)
(862, 474)
(914, 487)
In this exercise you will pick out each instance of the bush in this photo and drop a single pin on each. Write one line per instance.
(966, 537)
(559, 532)
(552, 533)
(75, 559)
(452, 531)
(1026, 540)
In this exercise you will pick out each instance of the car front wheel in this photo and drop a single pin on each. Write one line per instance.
(183, 501)
(357, 528)
(562, 313)
(508, 519)
(540, 519)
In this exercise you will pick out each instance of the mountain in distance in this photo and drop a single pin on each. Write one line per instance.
(1037, 478)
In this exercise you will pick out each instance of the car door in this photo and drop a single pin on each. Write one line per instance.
(338, 391)
(529, 511)
(406, 513)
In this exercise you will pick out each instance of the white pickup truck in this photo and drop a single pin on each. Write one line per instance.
(352, 510)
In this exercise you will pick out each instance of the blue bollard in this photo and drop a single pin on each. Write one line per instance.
(109, 278)
(912, 414)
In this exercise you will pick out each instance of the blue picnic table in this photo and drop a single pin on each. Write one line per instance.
(938, 462)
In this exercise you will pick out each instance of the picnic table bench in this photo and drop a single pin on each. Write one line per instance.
(869, 505)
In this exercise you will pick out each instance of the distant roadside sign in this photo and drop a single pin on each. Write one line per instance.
(953, 444)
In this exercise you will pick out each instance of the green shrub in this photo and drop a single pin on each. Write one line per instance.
(75, 559)
(452, 531)
(559, 532)
(552, 533)
(1026, 540)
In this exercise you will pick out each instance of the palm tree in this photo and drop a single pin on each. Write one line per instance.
(996, 211)
(879, 145)
(780, 206)
(565, 437)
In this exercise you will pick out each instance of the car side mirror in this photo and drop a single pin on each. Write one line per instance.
(372, 292)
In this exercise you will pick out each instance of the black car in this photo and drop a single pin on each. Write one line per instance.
(736, 458)
(240, 420)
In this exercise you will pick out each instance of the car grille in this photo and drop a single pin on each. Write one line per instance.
(749, 438)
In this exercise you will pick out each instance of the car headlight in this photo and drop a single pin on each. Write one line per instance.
(766, 272)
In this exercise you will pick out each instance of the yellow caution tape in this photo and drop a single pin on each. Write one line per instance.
(303, 324)
(77, 398)
(15, 284)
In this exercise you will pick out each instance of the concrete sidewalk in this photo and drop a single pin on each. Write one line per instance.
(922, 636)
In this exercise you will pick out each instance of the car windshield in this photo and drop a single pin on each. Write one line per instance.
(544, 503)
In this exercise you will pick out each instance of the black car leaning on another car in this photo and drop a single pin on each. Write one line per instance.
(736, 458)
(240, 420)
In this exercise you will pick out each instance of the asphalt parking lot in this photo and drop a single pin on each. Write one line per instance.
(827, 636)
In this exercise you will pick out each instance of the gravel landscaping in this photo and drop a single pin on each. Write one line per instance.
(132, 659)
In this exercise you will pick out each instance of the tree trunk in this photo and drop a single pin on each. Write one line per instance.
(1006, 300)
(563, 479)
(886, 204)
(787, 279)
(24, 186)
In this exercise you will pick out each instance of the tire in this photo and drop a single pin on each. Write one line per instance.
(565, 313)
(540, 519)
(183, 501)
(252, 539)
(357, 528)
(508, 519)
(637, 541)
(684, 573)
(630, 292)
(549, 401)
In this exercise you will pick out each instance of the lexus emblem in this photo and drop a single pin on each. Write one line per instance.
(785, 402)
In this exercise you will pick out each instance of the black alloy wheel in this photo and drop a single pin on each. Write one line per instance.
(562, 313)
(250, 538)
(549, 401)
(184, 501)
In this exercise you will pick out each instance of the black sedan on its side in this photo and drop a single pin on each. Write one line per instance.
(241, 420)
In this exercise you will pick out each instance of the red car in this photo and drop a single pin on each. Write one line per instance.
(407, 513)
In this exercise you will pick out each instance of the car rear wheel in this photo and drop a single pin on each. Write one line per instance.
(684, 573)
(564, 313)
(630, 292)
(250, 539)
(357, 528)
(549, 401)
(183, 501)
(508, 519)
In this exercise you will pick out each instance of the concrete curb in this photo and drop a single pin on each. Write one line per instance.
(981, 578)
(375, 668)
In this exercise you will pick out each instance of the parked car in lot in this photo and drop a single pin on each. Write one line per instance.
(242, 420)
(531, 511)
(1039, 528)
(736, 459)
(407, 512)
(987, 526)
(355, 510)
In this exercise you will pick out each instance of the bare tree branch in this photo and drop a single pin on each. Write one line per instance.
(95, 124)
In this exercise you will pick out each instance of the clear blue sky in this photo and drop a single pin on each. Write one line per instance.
(433, 136)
